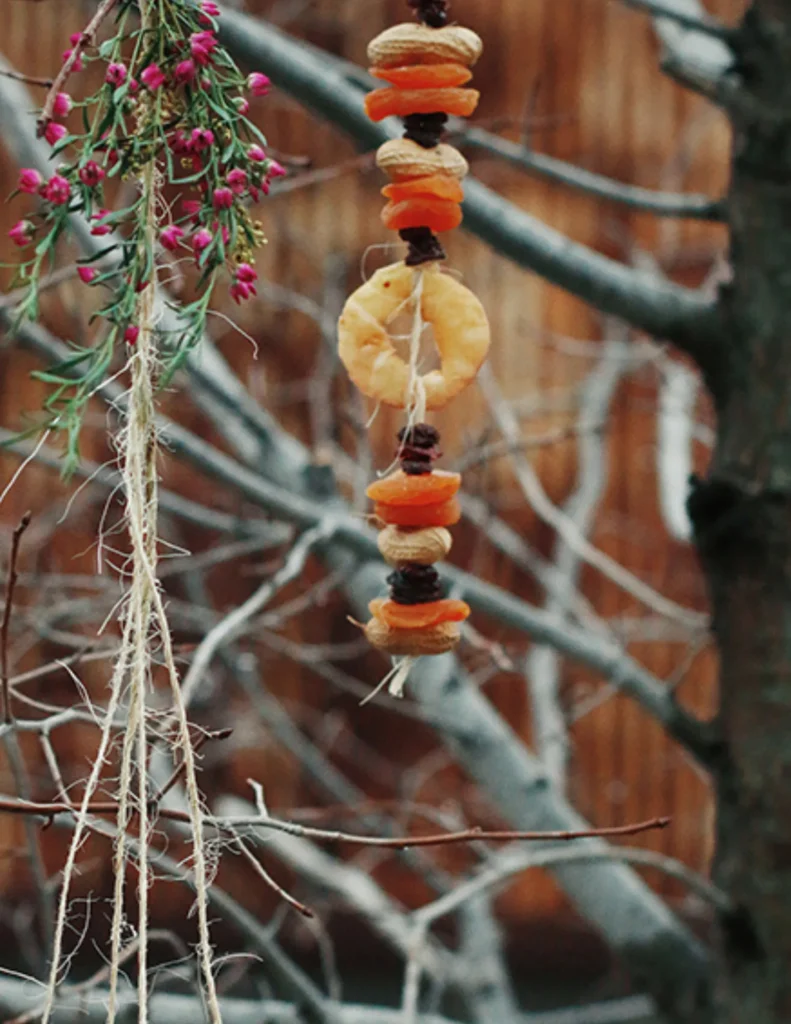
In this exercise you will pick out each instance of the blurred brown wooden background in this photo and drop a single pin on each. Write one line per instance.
(581, 78)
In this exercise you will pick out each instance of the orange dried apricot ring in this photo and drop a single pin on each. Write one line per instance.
(402, 488)
(384, 102)
(424, 76)
(422, 212)
(443, 513)
(440, 186)
(418, 616)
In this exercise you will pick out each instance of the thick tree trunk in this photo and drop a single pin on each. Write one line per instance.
(742, 516)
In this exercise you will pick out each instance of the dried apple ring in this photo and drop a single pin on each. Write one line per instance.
(443, 513)
(424, 76)
(422, 212)
(440, 186)
(418, 616)
(400, 488)
(402, 102)
(461, 334)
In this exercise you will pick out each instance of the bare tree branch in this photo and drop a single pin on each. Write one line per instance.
(662, 204)
(598, 653)
(640, 928)
(19, 997)
(667, 311)
(689, 16)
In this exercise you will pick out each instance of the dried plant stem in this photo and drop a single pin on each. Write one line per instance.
(81, 824)
(140, 481)
(145, 602)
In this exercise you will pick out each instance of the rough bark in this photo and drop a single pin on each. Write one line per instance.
(742, 518)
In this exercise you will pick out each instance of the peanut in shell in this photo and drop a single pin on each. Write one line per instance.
(414, 643)
(403, 158)
(422, 547)
(409, 43)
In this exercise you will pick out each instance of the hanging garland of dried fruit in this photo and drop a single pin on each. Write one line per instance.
(426, 66)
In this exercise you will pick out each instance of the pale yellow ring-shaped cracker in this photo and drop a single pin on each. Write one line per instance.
(461, 334)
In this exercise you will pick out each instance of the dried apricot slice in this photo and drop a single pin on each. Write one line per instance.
(418, 616)
(402, 102)
(440, 186)
(443, 513)
(422, 212)
(402, 488)
(424, 76)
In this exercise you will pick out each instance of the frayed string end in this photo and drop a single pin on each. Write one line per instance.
(394, 680)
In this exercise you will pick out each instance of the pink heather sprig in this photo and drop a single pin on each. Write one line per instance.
(207, 152)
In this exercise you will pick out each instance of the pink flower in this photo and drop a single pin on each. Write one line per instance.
(112, 157)
(62, 105)
(131, 334)
(54, 132)
(153, 77)
(224, 231)
(91, 174)
(21, 233)
(77, 65)
(134, 85)
(240, 291)
(101, 229)
(201, 240)
(192, 207)
(171, 237)
(246, 274)
(116, 74)
(222, 199)
(244, 283)
(255, 153)
(86, 274)
(202, 45)
(258, 84)
(237, 180)
(210, 8)
(201, 138)
(57, 190)
(275, 170)
(179, 142)
(29, 181)
(241, 104)
(75, 38)
(185, 72)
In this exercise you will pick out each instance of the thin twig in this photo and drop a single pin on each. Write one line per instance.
(27, 79)
(166, 787)
(5, 688)
(62, 76)
(261, 871)
(103, 807)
